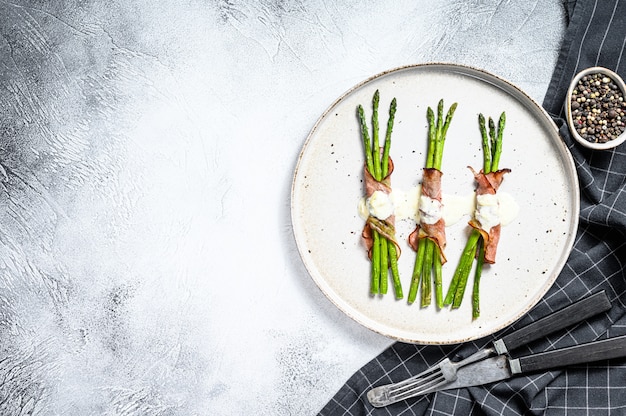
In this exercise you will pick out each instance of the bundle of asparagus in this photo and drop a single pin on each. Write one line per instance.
(379, 233)
(429, 237)
(483, 240)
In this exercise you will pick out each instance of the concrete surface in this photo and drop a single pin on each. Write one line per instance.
(147, 262)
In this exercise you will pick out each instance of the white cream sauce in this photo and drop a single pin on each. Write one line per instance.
(430, 210)
(380, 205)
(487, 211)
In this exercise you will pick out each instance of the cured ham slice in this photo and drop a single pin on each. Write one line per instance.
(429, 227)
(488, 184)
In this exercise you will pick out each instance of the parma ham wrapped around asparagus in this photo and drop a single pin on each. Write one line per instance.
(482, 243)
(379, 230)
(381, 219)
(429, 237)
(432, 224)
(487, 188)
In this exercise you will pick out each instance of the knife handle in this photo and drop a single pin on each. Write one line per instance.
(578, 354)
(574, 313)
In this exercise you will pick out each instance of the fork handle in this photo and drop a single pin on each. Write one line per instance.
(578, 354)
(574, 313)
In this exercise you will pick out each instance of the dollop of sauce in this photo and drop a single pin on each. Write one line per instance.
(487, 211)
(430, 210)
(509, 209)
(380, 205)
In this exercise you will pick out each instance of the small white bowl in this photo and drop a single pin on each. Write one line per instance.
(570, 121)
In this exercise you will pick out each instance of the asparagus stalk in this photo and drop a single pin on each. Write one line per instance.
(375, 142)
(382, 242)
(391, 248)
(382, 167)
(375, 285)
(426, 272)
(480, 261)
(369, 162)
(486, 145)
(497, 148)
(417, 270)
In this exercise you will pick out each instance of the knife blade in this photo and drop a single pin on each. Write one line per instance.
(502, 367)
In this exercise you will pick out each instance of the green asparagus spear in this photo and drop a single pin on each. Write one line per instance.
(497, 148)
(463, 269)
(393, 254)
(444, 132)
(375, 142)
(486, 154)
(392, 115)
(480, 261)
(369, 160)
(417, 271)
(432, 138)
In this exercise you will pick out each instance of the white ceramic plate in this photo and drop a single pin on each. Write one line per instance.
(328, 185)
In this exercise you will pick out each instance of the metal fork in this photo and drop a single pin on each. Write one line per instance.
(445, 371)
(431, 379)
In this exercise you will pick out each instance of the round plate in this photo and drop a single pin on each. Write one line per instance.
(328, 185)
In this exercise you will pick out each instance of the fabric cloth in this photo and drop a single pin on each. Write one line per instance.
(595, 36)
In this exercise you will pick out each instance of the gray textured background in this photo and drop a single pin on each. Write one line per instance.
(147, 264)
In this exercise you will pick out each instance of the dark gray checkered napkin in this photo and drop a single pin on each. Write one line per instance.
(595, 36)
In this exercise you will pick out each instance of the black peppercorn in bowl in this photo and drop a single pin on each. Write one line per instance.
(596, 108)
